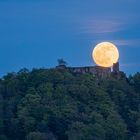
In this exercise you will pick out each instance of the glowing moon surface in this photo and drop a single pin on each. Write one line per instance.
(105, 54)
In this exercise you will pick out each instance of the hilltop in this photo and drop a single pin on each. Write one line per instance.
(59, 104)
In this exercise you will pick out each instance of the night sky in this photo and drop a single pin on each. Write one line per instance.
(35, 33)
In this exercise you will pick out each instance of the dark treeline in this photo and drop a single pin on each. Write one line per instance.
(60, 105)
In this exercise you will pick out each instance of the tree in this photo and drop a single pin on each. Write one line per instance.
(61, 62)
(57, 104)
(40, 136)
(81, 131)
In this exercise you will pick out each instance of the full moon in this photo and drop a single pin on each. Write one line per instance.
(105, 54)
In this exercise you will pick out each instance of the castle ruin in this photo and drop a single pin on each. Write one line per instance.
(101, 72)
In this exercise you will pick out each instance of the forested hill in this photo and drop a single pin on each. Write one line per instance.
(59, 105)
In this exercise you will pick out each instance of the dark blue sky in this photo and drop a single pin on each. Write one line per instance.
(35, 33)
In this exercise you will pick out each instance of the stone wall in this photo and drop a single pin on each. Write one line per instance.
(95, 70)
(100, 72)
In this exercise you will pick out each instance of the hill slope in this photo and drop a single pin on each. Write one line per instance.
(60, 105)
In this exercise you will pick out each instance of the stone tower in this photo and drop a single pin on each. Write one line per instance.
(116, 67)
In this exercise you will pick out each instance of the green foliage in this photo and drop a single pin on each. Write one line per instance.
(40, 136)
(60, 105)
(81, 131)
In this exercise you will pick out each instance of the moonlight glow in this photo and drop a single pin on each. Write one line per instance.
(105, 54)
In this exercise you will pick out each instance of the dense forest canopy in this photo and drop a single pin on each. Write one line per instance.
(60, 105)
